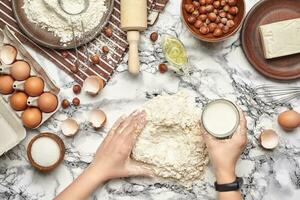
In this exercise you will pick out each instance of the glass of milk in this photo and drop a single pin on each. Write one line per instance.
(220, 118)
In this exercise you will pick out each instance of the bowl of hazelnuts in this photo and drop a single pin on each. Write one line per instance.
(213, 20)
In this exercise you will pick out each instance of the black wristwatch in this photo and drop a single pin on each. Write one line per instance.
(229, 186)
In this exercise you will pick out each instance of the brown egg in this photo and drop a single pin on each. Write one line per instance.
(20, 70)
(18, 101)
(289, 119)
(47, 102)
(6, 84)
(31, 117)
(34, 86)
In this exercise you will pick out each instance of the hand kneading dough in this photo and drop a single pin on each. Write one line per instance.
(171, 142)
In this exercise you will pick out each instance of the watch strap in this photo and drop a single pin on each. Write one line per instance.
(229, 186)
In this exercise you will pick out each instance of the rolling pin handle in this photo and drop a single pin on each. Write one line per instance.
(133, 38)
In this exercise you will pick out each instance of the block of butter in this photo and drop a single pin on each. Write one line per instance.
(281, 38)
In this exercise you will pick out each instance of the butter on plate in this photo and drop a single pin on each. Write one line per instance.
(280, 38)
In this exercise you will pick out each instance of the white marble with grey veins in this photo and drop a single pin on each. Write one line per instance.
(216, 71)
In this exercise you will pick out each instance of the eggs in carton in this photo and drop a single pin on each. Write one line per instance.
(28, 96)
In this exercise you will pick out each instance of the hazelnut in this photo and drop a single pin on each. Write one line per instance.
(207, 21)
(209, 2)
(212, 17)
(217, 32)
(163, 68)
(95, 59)
(64, 54)
(230, 23)
(108, 31)
(65, 104)
(222, 14)
(198, 24)
(212, 27)
(202, 10)
(105, 49)
(225, 29)
(233, 10)
(220, 25)
(209, 8)
(204, 30)
(232, 2)
(223, 2)
(189, 8)
(191, 19)
(196, 4)
(76, 101)
(217, 4)
(202, 17)
(76, 89)
(229, 16)
(202, 2)
(74, 69)
(224, 21)
(226, 8)
(154, 36)
(195, 13)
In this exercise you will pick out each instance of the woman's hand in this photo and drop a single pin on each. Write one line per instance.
(112, 158)
(225, 153)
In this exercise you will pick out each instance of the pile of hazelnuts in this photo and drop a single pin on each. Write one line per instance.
(212, 16)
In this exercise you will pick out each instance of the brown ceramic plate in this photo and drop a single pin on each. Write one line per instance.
(265, 12)
(48, 39)
(209, 37)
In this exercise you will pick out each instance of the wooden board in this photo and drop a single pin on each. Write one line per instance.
(47, 39)
(265, 12)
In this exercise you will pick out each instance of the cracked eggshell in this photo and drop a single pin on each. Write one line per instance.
(92, 85)
(97, 118)
(8, 54)
(69, 127)
(269, 139)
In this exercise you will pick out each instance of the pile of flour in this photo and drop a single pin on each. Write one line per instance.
(49, 15)
(171, 142)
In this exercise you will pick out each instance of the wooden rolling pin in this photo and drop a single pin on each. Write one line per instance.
(133, 20)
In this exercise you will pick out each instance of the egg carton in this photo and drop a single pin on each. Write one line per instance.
(10, 118)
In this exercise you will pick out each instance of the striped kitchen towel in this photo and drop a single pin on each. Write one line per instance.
(66, 60)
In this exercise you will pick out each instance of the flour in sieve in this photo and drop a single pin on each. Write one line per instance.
(171, 142)
(49, 15)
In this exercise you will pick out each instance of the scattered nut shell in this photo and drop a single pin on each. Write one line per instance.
(8, 54)
(69, 127)
(74, 69)
(163, 68)
(65, 104)
(154, 36)
(76, 101)
(108, 31)
(95, 59)
(76, 89)
(105, 49)
(64, 54)
(269, 139)
(97, 118)
(93, 84)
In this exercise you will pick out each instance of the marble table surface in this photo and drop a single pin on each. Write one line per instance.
(215, 71)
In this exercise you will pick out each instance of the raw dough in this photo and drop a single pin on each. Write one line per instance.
(171, 142)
